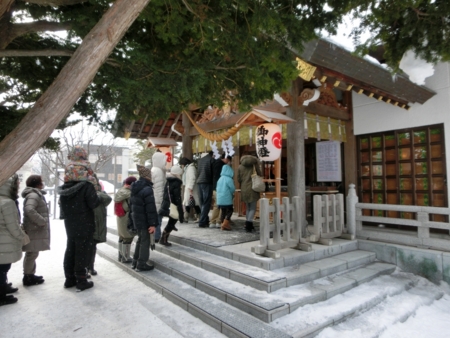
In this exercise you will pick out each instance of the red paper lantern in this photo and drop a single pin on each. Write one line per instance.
(269, 141)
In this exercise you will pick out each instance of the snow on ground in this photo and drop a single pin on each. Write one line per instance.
(400, 305)
(117, 306)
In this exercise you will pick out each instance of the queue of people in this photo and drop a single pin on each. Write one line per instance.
(139, 206)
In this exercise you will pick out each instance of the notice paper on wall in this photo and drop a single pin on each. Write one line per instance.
(328, 161)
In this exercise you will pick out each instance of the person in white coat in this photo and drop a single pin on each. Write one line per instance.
(190, 188)
(158, 170)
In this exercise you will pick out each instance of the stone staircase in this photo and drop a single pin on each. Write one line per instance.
(244, 295)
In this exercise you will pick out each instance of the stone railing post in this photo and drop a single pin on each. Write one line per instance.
(352, 199)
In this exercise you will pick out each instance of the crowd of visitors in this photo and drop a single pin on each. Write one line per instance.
(139, 206)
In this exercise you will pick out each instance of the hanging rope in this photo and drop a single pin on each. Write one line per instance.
(217, 137)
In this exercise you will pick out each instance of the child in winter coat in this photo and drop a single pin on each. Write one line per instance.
(225, 191)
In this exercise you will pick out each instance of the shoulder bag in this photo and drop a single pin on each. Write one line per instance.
(258, 184)
(173, 208)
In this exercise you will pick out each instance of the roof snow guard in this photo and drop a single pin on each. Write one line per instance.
(363, 76)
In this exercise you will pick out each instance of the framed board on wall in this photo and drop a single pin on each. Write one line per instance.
(328, 161)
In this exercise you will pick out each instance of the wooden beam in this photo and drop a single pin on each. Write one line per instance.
(143, 125)
(175, 121)
(187, 138)
(217, 124)
(151, 129)
(162, 128)
(327, 111)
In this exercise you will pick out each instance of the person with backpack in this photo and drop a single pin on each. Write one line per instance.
(122, 210)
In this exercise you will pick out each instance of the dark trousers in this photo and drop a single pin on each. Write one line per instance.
(78, 256)
(226, 212)
(4, 268)
(142, 249)
(170, 225)
(94, 252)
(206, 193)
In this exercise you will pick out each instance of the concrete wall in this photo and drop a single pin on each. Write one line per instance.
(371, 115)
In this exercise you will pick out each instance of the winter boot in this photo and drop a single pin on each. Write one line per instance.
(164, 238)
(8, 288)
(126, 250)
(144, 267)
(133, 264)
(70, 282)
(29, 280)
(226, 225)
(7, 299)
(93, 272)
(249, 226)
(83, 283)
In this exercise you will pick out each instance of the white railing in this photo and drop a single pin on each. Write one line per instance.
(284, 220)
(422, 223)
(328, 219)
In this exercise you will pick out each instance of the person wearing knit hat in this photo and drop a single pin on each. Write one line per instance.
(172, 195)
(122, 211)
(144, 172)
(144, 217)
(78, 168)
(78, 199)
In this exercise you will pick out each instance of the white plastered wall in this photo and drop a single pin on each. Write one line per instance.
(371, 115)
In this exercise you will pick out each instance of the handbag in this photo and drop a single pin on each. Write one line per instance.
(173, 208)
(258, 184)
(191, 202)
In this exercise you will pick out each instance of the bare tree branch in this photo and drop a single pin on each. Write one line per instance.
(54, 3)
(46, 52)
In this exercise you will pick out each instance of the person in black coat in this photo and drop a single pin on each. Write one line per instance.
(205, 187)
(172, 194)
(78, 199)
(144, 217)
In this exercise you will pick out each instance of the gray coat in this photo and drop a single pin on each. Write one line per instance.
(244, 178)
(123, 195)
(36, 220)
(10, 232)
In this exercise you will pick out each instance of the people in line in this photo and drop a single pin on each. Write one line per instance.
(159, 161)
(100, 224)
(122, 201)
(144, 217)
(215, 221)
(247, 166)
(205, 187)
(190, 197)
(11, 236)
(225, 193)
(78, 199)
(36, 224)
(172, 194)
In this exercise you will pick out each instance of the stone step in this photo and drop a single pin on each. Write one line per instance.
(264, 306)
(364, 311)
(261, 279)
(204, 241)
(223, 317)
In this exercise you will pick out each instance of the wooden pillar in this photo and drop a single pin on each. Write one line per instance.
(187, 139)
(296, 148)
(350, 156)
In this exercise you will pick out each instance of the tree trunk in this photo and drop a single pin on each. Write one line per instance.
(73, 80)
